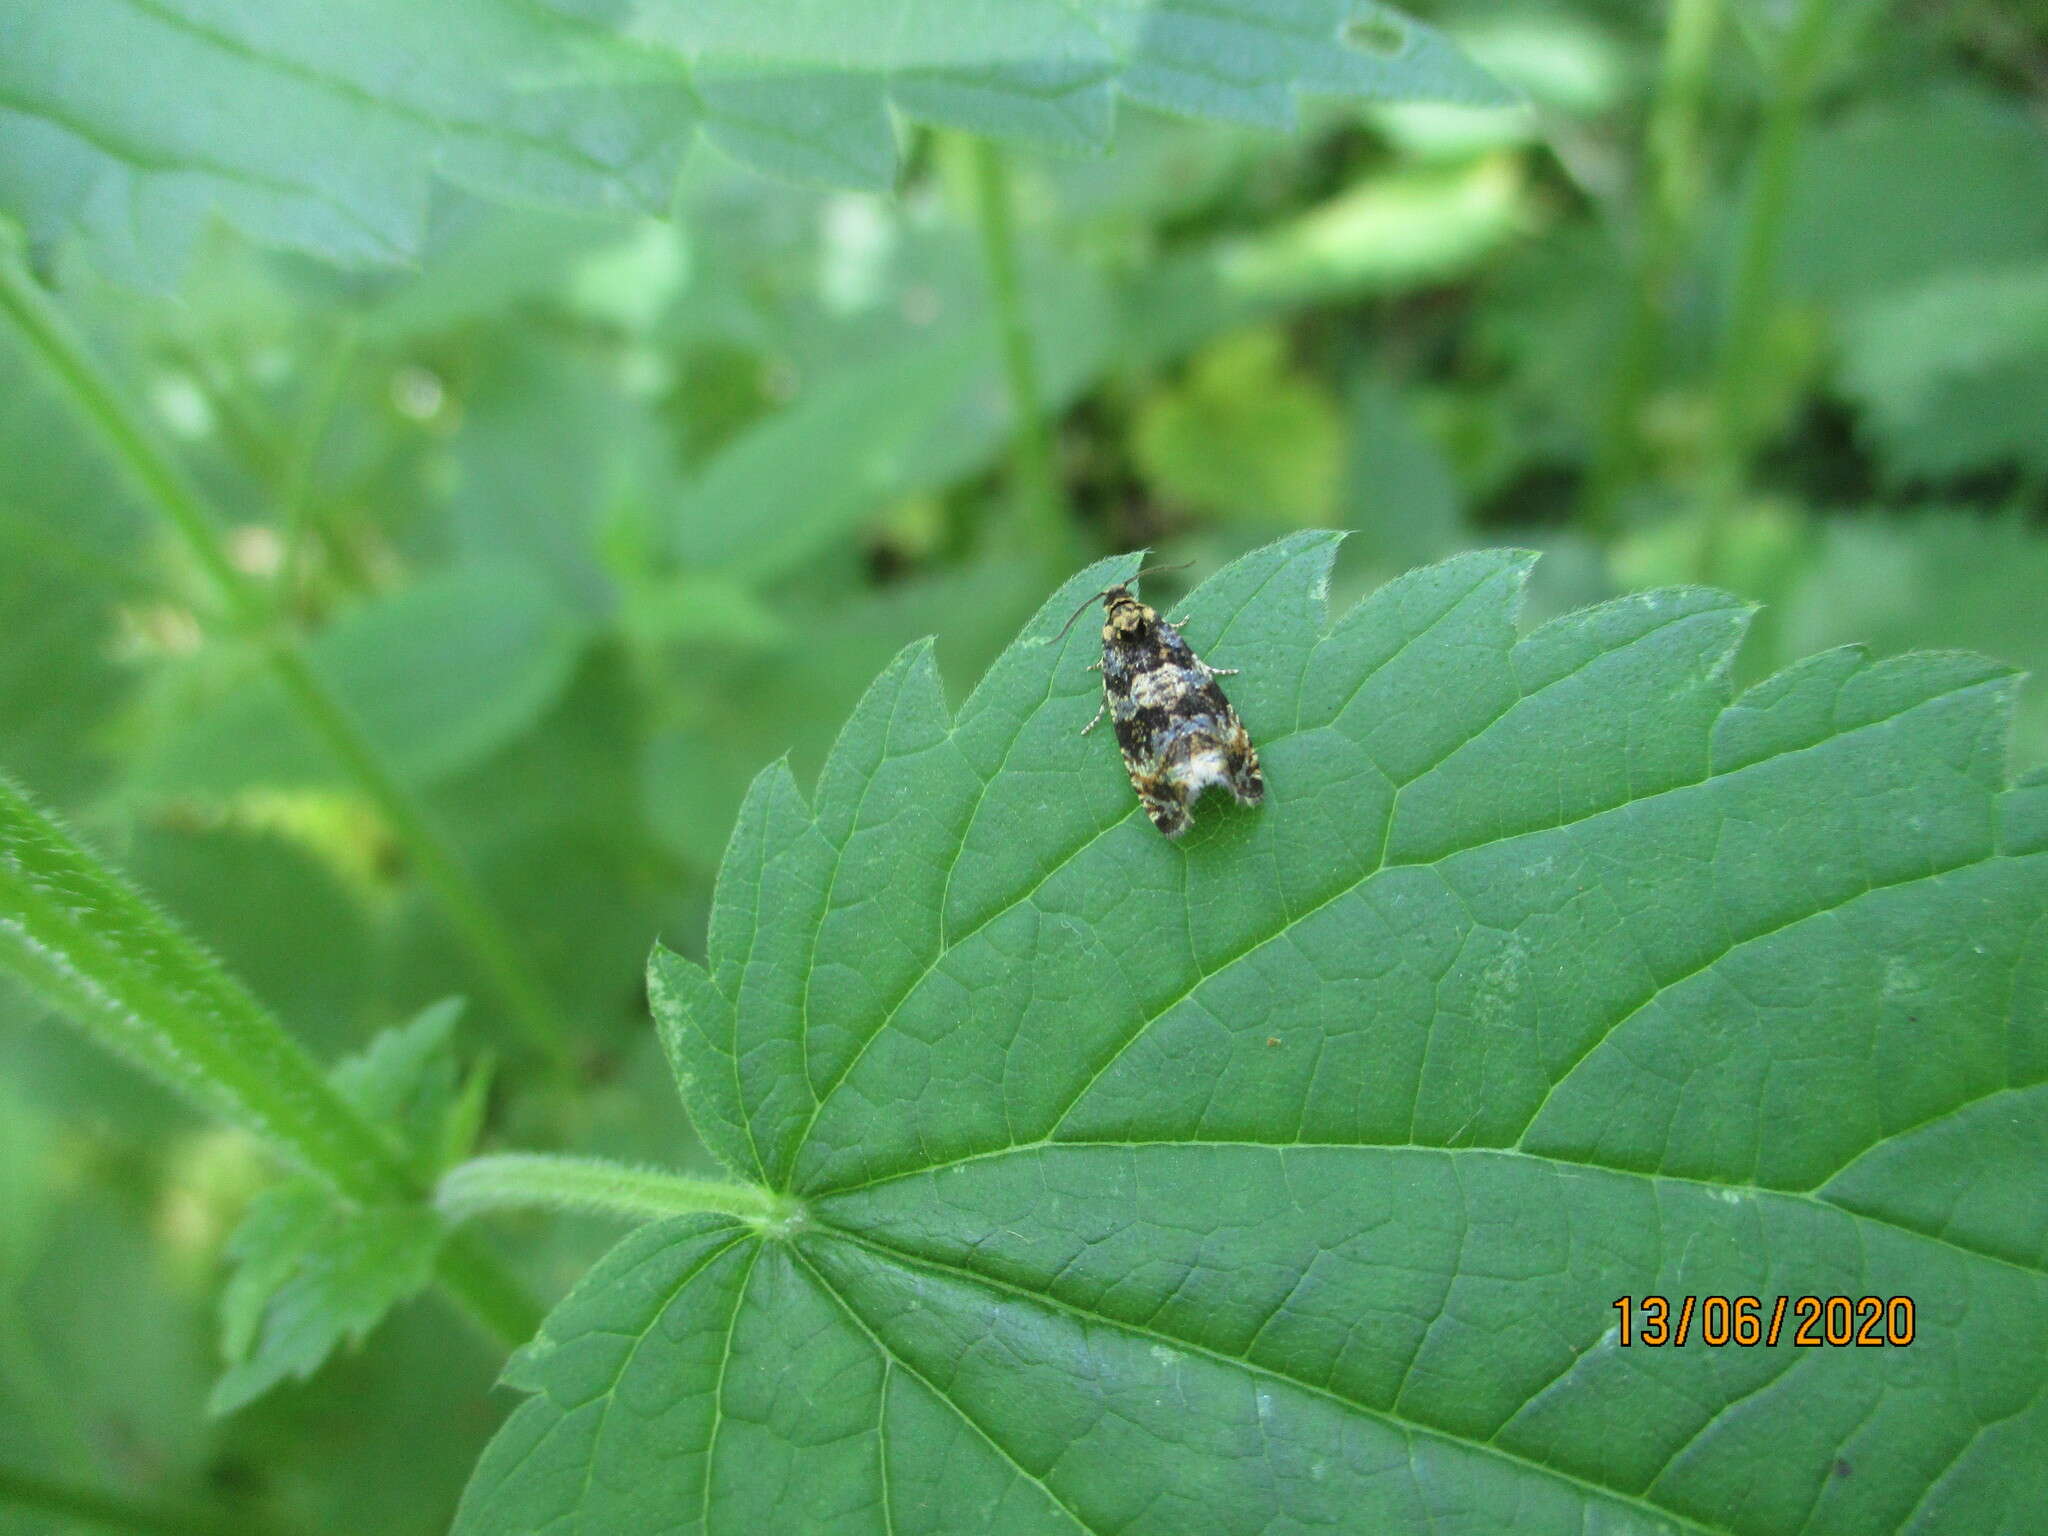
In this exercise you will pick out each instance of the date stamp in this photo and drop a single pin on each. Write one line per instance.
(1805, 1322)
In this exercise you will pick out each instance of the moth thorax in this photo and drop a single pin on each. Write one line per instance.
(1127, 618)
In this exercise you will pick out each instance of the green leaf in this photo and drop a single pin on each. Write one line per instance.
(790, 700)
(133, 124)
(312, 1271)
(924, 412)
(550, 448)
(1900, 192)
(310, 1274)
(1285, 1176)
(1936, 578)
(440, 675)
(407, 1081)
(1408, 229)
(1050, 70)
(1953, 374)
(1244, 433)
(812, 473)
(89, 945)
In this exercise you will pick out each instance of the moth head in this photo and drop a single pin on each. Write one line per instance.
(1124, 617)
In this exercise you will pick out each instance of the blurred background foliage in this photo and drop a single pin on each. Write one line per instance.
(587, 520)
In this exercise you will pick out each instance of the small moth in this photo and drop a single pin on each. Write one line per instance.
(1178, 733)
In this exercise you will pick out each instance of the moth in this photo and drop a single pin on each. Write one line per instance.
(1178, 732)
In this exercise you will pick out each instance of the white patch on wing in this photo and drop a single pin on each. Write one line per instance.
(1159, 688)
(1203, 767)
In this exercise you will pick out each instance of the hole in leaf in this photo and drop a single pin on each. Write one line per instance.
(1379, 34)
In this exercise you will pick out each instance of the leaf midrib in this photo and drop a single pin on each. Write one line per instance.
(1815, 1197)
(948, 944)
(1294, 919)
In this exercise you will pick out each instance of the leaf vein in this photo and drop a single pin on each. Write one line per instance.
(1409, 1428)
(889, 1357)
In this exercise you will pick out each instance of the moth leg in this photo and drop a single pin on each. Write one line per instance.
(1093, 666)
(1100, 710)
(1217, 671)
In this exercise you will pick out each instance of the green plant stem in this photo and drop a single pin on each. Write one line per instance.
(1045, 521)
(1754, 295)
(485, 1289)
(295, 497)
(47, 1496)
(1675, 186)
(94, 949)
(526, 1180)
(121, 431)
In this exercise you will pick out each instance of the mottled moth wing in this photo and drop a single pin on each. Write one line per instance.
(1178, 732)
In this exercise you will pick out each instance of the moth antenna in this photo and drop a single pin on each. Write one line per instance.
(1056, 639)
(1148, 570)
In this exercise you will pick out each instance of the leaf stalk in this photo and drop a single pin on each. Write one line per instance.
(533, 1180)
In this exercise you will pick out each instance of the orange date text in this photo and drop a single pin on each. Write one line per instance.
(1805, 1322)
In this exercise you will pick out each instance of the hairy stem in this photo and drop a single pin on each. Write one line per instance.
(1674, 187)
(1753, 299)
(525, 1180)
(88, 944)
(1044, 522)
(121, 431)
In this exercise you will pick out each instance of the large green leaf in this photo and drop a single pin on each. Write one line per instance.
(1284, 1177)
(132, 122)
(1048, 70)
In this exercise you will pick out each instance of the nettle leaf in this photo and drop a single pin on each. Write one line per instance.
(1284, 1177)
(133, 123)
(309, 1275)
(312, 1270)
(821, 77)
